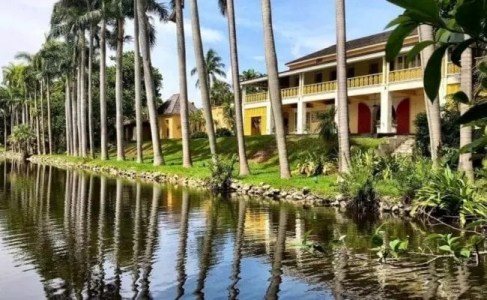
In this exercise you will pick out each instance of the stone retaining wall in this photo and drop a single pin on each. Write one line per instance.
(301, 197)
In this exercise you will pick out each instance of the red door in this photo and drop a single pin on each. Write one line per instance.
(364, 119)
(402, 116)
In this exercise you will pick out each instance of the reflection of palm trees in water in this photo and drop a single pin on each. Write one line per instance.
(150, 244)
(206, 254)
(183, 240)
(276, 272)
(100, 274)
(116, 238)
(136, 238)
(237, 250)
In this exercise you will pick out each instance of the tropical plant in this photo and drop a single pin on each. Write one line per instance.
(313, 164)
(183, 81)
(454, 21)
(148, 80)
(199, 135)
(214, 68)
(221, 173)
(203, 76)
(274, 89)
(342, 93)
(227, 8)
(21, 139)
(328, 127)
(447, 192)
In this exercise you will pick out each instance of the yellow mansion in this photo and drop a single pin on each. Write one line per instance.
(384, 98)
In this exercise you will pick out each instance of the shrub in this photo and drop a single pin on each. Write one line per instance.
(223, 132)
(221, 173)
(199, 135)
(448, 192)
(314, 165)
(358, 184)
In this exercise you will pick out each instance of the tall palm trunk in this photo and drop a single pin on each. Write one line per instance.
(78, 109)
(83, 127)
(138, 88)
(38, 133)
(118, 89)
(432, 107)
(465, 164)
(183, 84)
(67, 109)
(103, 81)
(342, 92)
(202, 76)
(149, 82)
(274, 89)
(90, 95)
(49, 124)
(43, 133)
(74, 113)
(232, 32)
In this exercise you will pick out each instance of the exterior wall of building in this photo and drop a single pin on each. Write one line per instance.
(255, 121)
(219, 118)
(170, 127)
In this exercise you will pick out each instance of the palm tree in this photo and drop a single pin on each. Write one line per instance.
(227, 8)
(148, 81)
(465, 163)
(103, 81)
(183, 82)
(250, 74)
(214, 68)
(138, 87)
(274, 90)
(342, 93)
(432, 105)
(203, 76)
(120, 13)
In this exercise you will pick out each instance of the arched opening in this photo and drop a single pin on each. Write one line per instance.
(364, 119)
(403, 117)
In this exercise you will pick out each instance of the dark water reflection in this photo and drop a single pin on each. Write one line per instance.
(74, 235)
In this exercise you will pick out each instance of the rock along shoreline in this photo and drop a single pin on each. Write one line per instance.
(299, 197)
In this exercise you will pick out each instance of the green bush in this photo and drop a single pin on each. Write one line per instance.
(221, 173)
(313, 164)
(223, 132)
(447, 192)
(199, 135)
(359, 183)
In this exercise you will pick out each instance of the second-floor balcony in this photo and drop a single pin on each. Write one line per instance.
(357, 82)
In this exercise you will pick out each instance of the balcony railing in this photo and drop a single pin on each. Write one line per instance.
(453, 69)
(365, 81)
(290, 92)
(405, 75)
(322, 87)
(354, 82)
(257, 97)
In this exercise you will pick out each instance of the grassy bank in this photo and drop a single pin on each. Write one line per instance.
(261, 151)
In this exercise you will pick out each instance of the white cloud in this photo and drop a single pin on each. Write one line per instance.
(23, 25)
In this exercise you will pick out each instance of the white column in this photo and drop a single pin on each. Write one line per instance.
(301, 85)
(301, 117)
(385, 71)
(385, 111)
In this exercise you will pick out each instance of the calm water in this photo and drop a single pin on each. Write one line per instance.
(73, 235)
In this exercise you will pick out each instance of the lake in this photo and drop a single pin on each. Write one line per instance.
(70, 234)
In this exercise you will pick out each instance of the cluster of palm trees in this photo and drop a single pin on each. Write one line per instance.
(81, 30)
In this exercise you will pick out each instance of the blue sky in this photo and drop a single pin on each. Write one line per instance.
(301, 27)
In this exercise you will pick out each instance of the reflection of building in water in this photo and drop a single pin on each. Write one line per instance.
(258, 226)
(300, 232)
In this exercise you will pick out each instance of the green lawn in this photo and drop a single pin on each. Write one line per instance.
(261, 151)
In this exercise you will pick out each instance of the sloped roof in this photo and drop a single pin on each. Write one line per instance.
(351, 45)
(173, 105)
